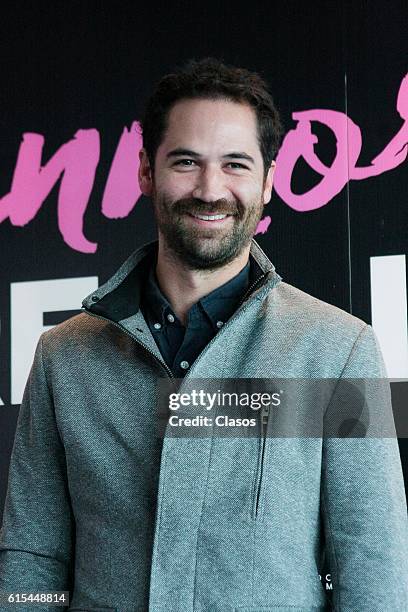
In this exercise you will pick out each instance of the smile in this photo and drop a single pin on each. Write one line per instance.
(209, 219)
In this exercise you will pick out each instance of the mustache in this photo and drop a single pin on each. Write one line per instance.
(196, 206)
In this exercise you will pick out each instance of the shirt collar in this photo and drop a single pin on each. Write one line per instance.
(219, 304)
(120, 296)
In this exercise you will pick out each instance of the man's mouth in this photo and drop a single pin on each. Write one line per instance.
(209, 217)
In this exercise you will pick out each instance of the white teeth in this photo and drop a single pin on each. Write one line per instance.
(209, 217)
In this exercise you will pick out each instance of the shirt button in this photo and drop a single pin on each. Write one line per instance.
(171, 319)
(157, 326)
(184, 365)
(220, 324)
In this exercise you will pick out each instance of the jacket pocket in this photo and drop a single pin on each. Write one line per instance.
(260, 478)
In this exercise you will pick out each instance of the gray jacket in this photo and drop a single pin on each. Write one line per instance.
(96, 507)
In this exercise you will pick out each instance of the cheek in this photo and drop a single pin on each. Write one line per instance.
(247, 194)
(248, 189)
(175, 186)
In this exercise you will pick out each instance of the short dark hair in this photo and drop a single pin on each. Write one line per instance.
(210, 78)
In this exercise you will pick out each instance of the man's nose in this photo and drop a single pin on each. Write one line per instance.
(210, 185)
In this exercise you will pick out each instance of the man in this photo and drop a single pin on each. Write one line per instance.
(99, 505)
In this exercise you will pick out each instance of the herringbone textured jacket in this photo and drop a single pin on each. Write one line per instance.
(96, 507)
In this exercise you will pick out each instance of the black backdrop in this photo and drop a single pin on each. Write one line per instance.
(66, 66)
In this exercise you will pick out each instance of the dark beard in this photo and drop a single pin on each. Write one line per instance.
(201, 248)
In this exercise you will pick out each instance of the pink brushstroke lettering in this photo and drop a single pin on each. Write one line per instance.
(76, 161)
(263, 225)
(300, 143)
(122, 189)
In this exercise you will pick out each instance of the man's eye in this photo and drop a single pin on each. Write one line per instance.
(236, 165)
(188, 163)
(184, 162)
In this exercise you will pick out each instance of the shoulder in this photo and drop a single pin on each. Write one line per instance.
(310, 322)
(79, 332)
(306, 308)
(326, 334)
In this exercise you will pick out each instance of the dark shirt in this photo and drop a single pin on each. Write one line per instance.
(179, 344)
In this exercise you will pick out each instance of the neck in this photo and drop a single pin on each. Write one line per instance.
(184, 287)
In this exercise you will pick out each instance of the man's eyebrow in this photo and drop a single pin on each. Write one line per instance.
(240, 155)
(179, 151)
(190, 153)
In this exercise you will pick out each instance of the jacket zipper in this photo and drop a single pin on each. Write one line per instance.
(264, 430)
(264, 417)
(251, 288)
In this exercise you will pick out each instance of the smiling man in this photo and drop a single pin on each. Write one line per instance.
(101, 506)
(208, 199)
(209, 188)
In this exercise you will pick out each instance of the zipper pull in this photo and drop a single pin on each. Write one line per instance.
(264, 419)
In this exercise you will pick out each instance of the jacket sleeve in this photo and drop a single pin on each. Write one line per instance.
(36, 535)
(363, 499)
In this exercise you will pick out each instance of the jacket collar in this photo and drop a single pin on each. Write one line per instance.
(119, 297)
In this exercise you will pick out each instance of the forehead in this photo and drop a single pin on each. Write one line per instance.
(198, 123)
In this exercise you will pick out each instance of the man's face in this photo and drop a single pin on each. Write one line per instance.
(208, 164)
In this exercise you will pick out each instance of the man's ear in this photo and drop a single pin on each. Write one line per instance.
(145, 175)
(267, 189)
